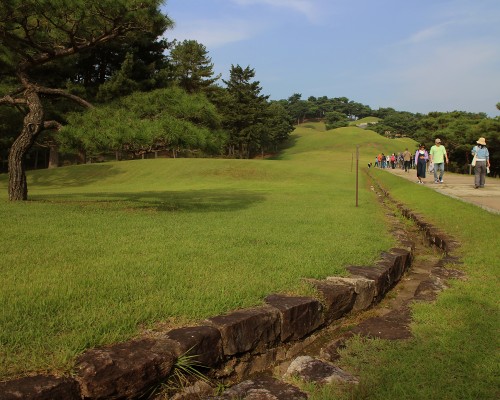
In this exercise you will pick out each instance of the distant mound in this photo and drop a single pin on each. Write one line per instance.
(365, 122)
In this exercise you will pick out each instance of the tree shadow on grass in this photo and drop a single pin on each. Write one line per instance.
(72, 176)
(203, 200)
(291, 141)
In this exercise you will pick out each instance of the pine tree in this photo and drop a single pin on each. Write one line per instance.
(193, 68)
(244, 112)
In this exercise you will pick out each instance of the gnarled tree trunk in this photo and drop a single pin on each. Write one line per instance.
(32, 125)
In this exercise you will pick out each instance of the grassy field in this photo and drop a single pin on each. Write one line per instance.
(103, 251)
(455, 350)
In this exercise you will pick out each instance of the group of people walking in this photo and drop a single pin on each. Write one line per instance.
(393, 160)
(434, 161)
(436, 157)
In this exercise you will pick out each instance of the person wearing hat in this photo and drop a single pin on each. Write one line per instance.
(421, 157)
(438, 156)
(482, 162)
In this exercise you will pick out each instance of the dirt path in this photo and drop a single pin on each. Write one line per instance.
(461, 187)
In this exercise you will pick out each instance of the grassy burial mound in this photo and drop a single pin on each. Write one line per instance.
(104, 251)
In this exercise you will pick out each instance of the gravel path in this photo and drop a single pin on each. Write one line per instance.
(461, 187)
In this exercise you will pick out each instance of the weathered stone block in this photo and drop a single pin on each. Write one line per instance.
(203, 342)
(40, 387)
(339, 298)
(299, 315)
(364, 288)
(312, 370)
(393, 265)
(256, 363)
(380, 274)
(124, 370)
(263, 388)
(403, 261)
(248, 329)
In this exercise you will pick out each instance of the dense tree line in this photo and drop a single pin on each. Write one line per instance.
(458, 130)
(88, 81)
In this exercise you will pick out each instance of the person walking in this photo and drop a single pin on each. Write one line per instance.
(438, 156)
(406, 159)
(482, 162)
(421, 157)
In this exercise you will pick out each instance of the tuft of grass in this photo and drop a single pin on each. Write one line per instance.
(185, 369)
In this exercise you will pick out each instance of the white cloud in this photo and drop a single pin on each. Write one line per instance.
(428, 33)
(214, 33)
(455, 76)
(309, 8)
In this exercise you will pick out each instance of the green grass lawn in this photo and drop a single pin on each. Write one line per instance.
(103, 251)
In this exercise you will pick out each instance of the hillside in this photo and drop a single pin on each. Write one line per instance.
(102, 251)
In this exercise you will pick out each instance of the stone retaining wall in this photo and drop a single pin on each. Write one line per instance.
(240, 342)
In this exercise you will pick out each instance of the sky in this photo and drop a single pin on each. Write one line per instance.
(411, 55)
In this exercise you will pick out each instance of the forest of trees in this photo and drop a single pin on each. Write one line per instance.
(82, 82)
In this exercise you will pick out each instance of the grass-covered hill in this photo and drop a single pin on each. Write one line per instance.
(102, 251)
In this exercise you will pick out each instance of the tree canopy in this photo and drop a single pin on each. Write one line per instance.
(38, 33)
(161, 120)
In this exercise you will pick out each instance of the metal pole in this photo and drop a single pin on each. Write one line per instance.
(357, 166)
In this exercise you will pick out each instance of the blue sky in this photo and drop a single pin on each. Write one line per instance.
(412, 55)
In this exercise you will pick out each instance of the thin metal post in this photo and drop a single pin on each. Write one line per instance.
(357, 167)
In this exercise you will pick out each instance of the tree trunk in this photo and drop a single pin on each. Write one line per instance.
(32, 125)
(82, 157)
(53, 156)
(36, 159)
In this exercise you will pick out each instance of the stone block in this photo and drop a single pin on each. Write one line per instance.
(380, 274)
(364, 288)
(40, 387)
(300, 316)
(204, 343)
(339, 298)
(256, 363)
(248, 329)
(309, 369)
(263, 388)
(404, 260)
(124, 370)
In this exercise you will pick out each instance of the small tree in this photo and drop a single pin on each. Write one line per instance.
(193, 69)
(120, 84)
(244, 111)
(36, 33)
(279, 125)
(335, 119)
